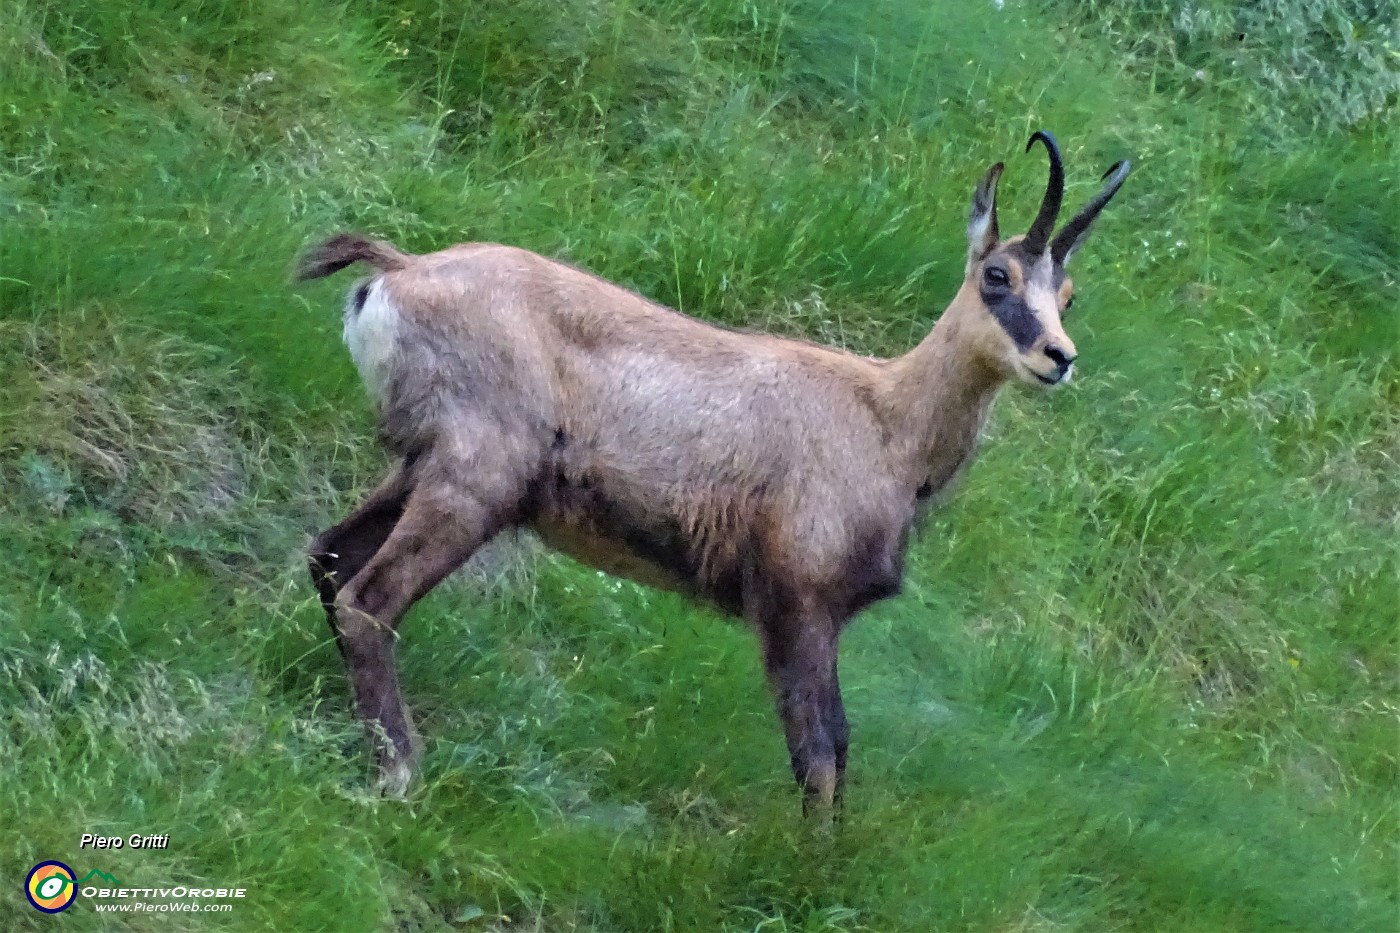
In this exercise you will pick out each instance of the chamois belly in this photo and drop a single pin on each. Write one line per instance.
(714, 556)
(625, 541)
(629, 556)
(599, 515)
(872, 570)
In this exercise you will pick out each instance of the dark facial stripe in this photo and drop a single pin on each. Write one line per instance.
(1015, 317)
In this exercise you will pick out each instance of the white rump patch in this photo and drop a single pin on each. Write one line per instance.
(371, 334)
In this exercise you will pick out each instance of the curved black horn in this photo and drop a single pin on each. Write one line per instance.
(1044, 225)
(1068, 238)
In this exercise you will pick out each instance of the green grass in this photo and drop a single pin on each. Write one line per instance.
(1145, 673)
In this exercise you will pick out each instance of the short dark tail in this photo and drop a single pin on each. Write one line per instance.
(345, 249)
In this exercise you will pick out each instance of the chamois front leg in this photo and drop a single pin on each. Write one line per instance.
(800, 660)
(440, 528)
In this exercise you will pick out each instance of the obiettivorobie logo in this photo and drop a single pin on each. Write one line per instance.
(52, 886)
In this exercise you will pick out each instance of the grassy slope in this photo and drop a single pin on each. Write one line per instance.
(1145, 672)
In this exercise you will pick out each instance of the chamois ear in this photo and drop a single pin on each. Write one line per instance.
(982, 232)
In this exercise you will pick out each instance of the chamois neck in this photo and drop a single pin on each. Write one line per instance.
(939, 394)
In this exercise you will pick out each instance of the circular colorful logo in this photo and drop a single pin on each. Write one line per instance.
(50, 887)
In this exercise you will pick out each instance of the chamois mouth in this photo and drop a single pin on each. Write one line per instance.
(1056, 379)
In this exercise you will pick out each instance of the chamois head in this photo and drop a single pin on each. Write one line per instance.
(1017, 288)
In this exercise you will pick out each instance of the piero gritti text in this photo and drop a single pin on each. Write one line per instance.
(134, 841)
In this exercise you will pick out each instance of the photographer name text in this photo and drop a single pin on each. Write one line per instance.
(134, 841)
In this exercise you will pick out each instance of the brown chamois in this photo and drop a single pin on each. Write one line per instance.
(774, 479)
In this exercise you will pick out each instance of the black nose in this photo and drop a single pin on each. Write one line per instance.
(1059, 357)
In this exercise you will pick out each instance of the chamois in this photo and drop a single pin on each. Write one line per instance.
(774, 479)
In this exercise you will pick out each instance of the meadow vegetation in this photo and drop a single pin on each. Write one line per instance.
(1145, 672)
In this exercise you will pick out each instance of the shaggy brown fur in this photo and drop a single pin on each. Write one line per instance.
(774, 479)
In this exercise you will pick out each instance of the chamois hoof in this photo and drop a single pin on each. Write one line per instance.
(394, 780)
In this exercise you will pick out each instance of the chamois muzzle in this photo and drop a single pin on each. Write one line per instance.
(1063, 360)
(1039, 234)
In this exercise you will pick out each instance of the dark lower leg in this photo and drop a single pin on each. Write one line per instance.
(839, 729)
(811, 750)
(438, 530)
(367, 645)
(799, 665)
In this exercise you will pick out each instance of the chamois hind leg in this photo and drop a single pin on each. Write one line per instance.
(799, 656)
(441, 526)
(339, 552)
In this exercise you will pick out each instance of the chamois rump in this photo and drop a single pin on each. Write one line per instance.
(775, 479)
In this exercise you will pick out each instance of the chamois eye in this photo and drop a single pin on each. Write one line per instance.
(996, 276)
(1068, 304)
